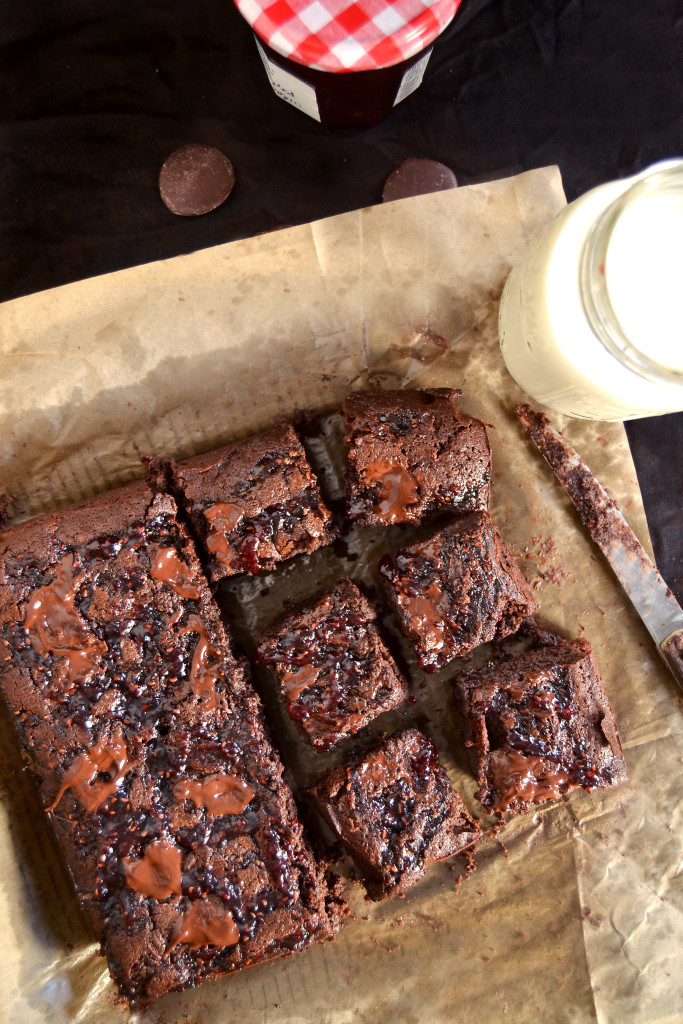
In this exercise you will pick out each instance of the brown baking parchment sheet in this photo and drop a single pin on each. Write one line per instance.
(575, 913)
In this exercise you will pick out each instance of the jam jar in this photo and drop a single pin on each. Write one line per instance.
(346, 63)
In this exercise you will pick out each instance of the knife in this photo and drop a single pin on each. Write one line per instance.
(652, 599)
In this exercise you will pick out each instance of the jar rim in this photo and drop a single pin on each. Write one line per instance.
(594, 292)
(348, 35)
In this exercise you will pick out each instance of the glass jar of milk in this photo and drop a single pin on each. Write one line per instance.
(591, 319)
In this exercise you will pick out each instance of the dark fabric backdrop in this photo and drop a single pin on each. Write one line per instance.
(96, 95)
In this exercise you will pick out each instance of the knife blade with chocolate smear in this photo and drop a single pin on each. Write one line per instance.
(649, 594)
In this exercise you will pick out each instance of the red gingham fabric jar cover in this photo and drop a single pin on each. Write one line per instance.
(348, 35)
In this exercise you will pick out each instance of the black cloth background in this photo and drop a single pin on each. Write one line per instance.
(96, 95)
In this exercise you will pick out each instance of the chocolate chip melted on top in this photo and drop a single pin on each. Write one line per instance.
(206, 924)
(395, 489)
(95, 774)
(168, 567)
(524, 778)
(158, 872)
(217, 794)
(55, 626)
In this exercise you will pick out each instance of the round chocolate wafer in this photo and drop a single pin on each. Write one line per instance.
(416, 177)
(195, 179)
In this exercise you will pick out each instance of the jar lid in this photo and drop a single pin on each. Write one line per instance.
(348, 35)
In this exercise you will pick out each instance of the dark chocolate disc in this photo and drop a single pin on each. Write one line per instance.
(195, 179)
(416, 177)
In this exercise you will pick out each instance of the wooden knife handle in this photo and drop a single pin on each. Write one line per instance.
(672, 652)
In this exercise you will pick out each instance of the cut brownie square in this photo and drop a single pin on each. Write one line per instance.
(149, 748)
(457, 590)
(332, 668)
(254, 504)
(538, 725)
(396, 812)
(411, 454)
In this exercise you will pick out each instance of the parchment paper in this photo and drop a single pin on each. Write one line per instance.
(575, 913)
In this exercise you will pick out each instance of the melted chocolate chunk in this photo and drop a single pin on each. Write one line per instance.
(332, 667)
(168, 567)
(395, 490)
(195, 179)
(95, 775)
(158, 872)
(206, 668)
(524, 779)
(395, 811)
(206, 924)
(217, 794)
(55, 626)
(538, 725)
(413, 454)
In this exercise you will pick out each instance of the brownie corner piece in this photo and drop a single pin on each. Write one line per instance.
(396, 812)
(456, 590)
(412, 454)
(331, 665)
(538, 725)
(254, 503)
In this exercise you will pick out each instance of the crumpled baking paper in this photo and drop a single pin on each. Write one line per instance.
(575, 912)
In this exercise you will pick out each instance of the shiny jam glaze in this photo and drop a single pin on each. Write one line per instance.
(420, 590)
(321, 667)
(412, 455)
(254, 504)
(390, 805)
(456, 590)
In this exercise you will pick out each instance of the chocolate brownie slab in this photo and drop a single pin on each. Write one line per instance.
(456, 590)
(411, 454)
(332, 668)
(396, 812)
(149, 749)
(254, 503)
(538, 725)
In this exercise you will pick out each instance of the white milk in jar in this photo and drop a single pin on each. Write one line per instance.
(591, 319)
